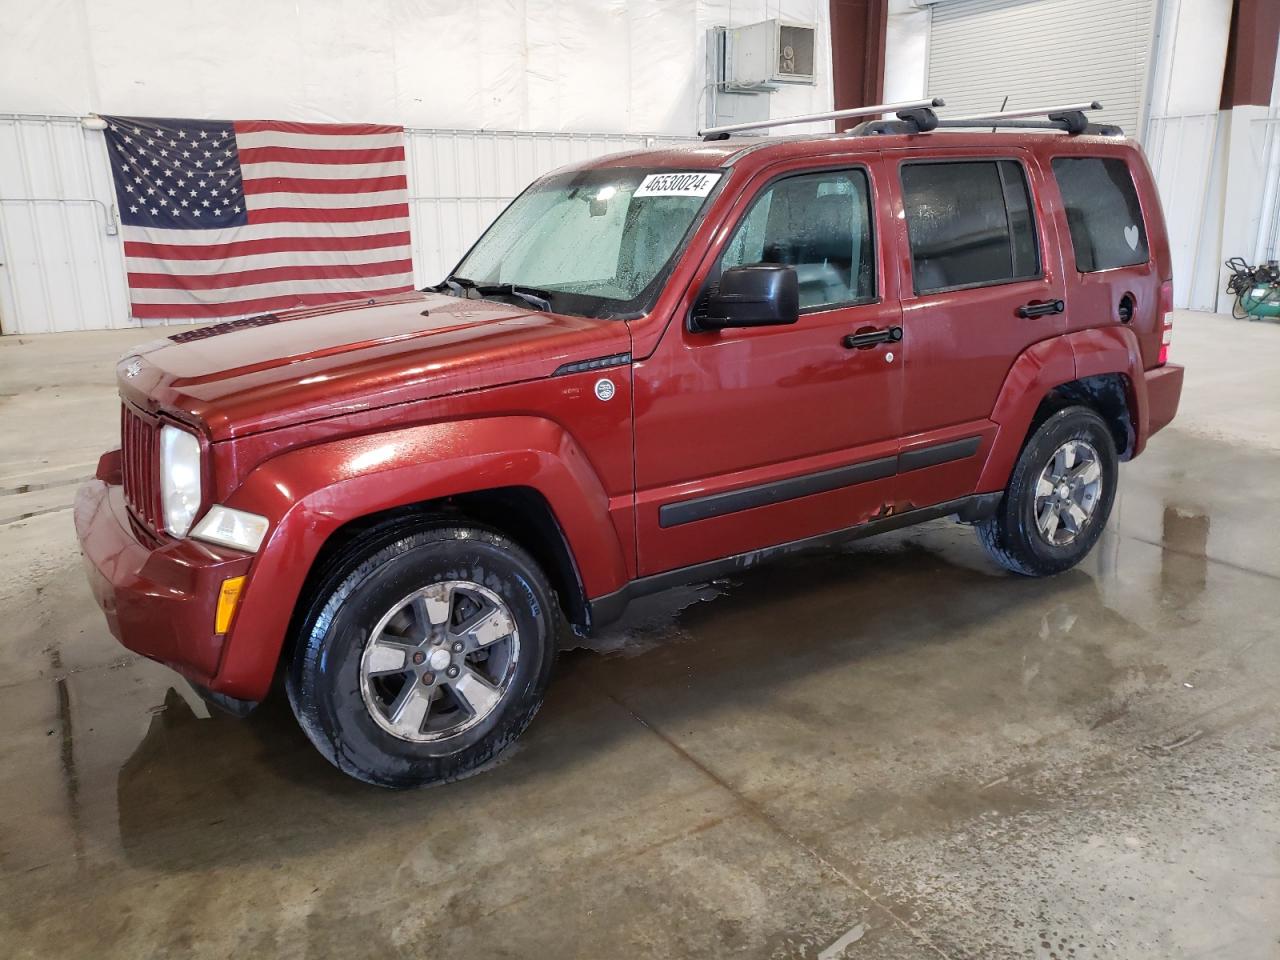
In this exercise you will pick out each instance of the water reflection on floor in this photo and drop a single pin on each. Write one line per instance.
(893, 736)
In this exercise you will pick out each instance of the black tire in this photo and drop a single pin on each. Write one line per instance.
(1011, 536)
(323, 678)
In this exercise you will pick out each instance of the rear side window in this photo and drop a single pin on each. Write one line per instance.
(1102, 211)
(969, 223)
(819, 223)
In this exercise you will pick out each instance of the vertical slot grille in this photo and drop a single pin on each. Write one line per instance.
(139, 442)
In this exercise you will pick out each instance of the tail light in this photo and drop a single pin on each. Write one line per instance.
(1166, 321)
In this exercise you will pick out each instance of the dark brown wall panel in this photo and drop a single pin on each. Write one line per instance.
(857, 53)
(1251, 53)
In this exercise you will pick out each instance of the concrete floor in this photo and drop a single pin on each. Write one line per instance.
(891, 750)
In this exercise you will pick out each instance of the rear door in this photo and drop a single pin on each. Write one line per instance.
(981, 282)
(1112, 250)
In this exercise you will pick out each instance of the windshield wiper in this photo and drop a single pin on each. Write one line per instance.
(455, 285)
(531, 295)
(538, 299)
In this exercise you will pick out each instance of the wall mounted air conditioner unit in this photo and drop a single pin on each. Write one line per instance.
(761, 56)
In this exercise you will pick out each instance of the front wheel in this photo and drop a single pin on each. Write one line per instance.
(425, 656)
(1058, 498)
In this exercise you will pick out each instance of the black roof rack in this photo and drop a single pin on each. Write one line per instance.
(1068, 118)
(918, 116)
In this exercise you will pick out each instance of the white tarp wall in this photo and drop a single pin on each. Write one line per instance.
(567, 79)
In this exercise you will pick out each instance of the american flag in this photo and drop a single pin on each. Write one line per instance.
(230, 218)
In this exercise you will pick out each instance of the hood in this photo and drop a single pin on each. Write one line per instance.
(260, 373)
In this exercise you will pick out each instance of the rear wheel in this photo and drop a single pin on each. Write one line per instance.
(1059, 496)
(424, 657)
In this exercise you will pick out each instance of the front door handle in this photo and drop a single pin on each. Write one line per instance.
(869, 338)
(1041, 308)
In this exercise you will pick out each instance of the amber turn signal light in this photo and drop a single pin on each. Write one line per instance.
(228, 599)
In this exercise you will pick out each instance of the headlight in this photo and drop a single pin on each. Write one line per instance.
(179, 479)
(232, 528)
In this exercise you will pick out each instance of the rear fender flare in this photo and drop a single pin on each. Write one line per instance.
(1049, 364)
(1116, 350)
(309, 493)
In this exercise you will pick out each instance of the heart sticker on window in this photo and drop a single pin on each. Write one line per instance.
(1131, 236)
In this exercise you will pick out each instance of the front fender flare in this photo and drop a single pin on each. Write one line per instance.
(309, 493)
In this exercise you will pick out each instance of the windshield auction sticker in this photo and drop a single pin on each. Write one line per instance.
(677, 185)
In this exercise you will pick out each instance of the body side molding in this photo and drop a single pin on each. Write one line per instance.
(792, 488)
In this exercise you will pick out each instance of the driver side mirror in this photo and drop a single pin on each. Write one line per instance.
(759, 295)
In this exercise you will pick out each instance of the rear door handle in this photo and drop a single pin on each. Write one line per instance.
(869, 338)
(1041, 308)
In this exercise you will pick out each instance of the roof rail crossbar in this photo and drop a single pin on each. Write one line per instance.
(1065, 125)
(918, 112)
(1070, 117)
(883, 128)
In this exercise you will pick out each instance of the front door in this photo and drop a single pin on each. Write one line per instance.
(746, 438)
(980, 285)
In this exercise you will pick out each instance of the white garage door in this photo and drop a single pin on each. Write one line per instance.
(1040, 53)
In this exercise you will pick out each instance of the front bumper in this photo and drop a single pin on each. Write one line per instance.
(159, 595)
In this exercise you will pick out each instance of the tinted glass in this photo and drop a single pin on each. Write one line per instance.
(970, 224)
(1022, 228)
(819, 223)
(1102, 211)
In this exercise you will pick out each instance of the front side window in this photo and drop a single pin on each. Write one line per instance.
(1103, 212)
(818, 223)
(969, 224)
(592, 242)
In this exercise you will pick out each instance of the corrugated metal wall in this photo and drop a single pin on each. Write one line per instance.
(459, 180)
(1186, 154)
(62, 268)
(61, 257)
(1267, 136)
(61, 260)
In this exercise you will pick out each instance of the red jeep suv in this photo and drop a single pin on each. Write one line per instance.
(653, 368)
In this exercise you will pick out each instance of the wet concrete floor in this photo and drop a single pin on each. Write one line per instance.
(889, 750)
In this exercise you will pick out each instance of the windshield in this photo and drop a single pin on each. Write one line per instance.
(592, 242)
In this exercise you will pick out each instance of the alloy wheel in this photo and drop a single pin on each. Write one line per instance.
(1068, 491)
(440, 661)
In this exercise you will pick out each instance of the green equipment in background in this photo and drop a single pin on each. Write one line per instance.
(1257, 289)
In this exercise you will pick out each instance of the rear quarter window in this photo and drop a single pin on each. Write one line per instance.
(1103, 212)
